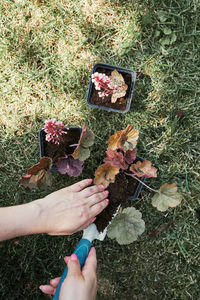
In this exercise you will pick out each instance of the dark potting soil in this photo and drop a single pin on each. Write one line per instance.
(121, 103)
(55, 151)
(118, 194)
(131, 186)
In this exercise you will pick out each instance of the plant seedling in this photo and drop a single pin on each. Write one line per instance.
(110, 85)
(121, 162)
(111, 88)
(65, 148)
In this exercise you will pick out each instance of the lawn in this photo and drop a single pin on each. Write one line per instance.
(47, 51)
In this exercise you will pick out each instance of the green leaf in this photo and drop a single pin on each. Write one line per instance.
(166, 197)
(157, 33)
(168, 40)
(146, 19)
(83, 153)
(165, 41)
(127, 226)
(162, 16)
(167, 30)
(173, 38)
(86, 140)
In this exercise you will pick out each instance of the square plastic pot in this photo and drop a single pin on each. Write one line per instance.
(42, 142)
(129, 94)
(139, 187)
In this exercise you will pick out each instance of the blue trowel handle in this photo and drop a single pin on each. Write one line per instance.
(81, 251)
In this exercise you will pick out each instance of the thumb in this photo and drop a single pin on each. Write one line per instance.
(91, 263)
(73, 264)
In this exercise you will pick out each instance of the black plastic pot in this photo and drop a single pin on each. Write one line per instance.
(42, 141)
(139, 187)
(130, 90)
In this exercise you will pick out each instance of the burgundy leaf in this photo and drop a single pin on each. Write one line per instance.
(115, 158)
(69, 165)
(130, 156)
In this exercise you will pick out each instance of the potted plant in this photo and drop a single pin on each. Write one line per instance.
(122, 173)
(62, 149)
(111, 88)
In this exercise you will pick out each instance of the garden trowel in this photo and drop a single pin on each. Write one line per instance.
(83, 248)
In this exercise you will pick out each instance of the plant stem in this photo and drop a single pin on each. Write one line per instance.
(156, 191)
(73, 145)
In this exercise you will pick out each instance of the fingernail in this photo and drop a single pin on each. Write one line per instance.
(102, 186)
(107, 200)
(107, 192)
(40, 287)
(73, 257)
(93, 220)
(90, 180)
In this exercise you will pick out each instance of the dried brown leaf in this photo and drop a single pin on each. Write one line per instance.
(117, 79)
(105, 174)
(44, 163)
(38, 175)
(126, 139)
(143, 168)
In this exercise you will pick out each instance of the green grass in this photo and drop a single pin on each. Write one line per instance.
(47, 50)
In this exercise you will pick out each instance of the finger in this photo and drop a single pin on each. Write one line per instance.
(47, 289)
(54, 282)
(90, 263)
(96, 198)
(77, 187)
(92, 190)
(66, 259)
(74, 268)
(97, 208)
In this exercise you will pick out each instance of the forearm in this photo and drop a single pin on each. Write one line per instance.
(19, 220)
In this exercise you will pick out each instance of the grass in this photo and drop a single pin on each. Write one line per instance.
(47, 52)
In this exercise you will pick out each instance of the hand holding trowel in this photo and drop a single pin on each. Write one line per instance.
(83, 247)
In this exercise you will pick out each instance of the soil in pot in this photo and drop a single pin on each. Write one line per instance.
(55, 151)
(119, 191)
(121, 103)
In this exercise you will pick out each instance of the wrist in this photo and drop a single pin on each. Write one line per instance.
(20, 220)
(29, 213)
(38, 223)
(42, 216)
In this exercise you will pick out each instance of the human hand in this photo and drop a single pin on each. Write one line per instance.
(71, 209)
(78, 284)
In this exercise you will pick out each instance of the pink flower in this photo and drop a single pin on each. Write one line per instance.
(54, 131)
(103, 83)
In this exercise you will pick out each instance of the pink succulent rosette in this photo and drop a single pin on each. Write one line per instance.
(54, 131)
(103, 83)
